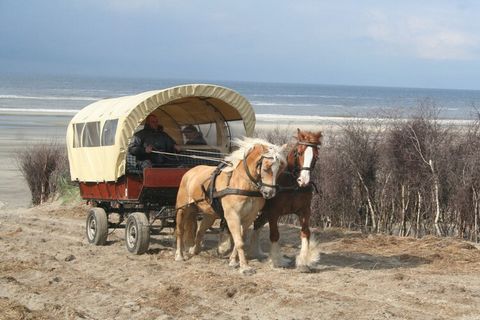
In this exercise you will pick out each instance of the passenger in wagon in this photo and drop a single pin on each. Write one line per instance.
(194, 137)
(153, 138)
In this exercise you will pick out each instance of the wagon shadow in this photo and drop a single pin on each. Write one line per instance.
(165, 241)
(112, 242)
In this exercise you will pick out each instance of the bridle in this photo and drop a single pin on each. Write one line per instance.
(296, 167)
(258, 167)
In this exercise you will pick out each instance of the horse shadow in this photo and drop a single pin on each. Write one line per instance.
(363, 261)
(332, 260)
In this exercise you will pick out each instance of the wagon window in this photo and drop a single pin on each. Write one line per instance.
(108, 132)
(91, 134)
(237, 129)
(77, 134)
(209, 132)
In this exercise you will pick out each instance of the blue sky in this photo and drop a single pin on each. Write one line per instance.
(432, 44)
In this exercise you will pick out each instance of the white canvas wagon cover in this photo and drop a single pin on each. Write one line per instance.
(98, 135)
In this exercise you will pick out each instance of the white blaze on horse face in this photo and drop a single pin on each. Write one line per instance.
(304, 178)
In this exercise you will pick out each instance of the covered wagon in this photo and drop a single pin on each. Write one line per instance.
(143, 200)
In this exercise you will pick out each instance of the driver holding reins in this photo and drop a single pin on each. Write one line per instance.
(152, 138)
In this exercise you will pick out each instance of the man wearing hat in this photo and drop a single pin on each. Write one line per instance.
(194, 137)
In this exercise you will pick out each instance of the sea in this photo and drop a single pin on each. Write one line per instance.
(68, 94)
(39, 107)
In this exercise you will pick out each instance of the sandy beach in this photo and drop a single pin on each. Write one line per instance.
(390, 193)
(48, 270)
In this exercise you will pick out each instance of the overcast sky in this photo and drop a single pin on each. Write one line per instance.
(432, 44)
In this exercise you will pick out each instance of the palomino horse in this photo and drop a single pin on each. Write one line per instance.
(246, 184)
(295, 196)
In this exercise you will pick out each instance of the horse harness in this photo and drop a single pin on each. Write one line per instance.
(297, 169)
(213, 197)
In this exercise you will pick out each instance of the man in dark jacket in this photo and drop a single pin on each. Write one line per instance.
(152, 138)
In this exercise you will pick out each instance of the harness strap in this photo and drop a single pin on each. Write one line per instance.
(213, 197)
(240, 192)
(297, 189)
(245, 167)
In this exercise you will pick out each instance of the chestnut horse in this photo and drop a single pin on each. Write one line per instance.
(295, 196)
(250, 179)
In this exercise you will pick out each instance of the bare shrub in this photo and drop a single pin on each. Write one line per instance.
(465, 183)
(278, 135)
(41, 165)
(334, 204)
(409, 177)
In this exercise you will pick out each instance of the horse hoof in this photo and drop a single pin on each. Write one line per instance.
(233, 264)
(247, 271)
(179, 258)
(304, 269)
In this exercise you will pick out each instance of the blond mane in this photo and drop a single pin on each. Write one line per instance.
(246, 144)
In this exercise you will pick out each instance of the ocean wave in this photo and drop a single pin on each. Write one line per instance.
(265, 117)
(286, 104)
(292, 117)
(294, 95)
(33, 110)
(316, 96)
(14, 96)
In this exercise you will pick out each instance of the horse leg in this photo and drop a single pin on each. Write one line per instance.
(275, 254)
(190, 230)
(254, 250)
(225, 241)
(233, 258)
(206, 223)
(238, 250)
(180, 218)
(309, 253)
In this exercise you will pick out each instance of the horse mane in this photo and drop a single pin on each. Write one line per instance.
(246, 144)
(309, 136)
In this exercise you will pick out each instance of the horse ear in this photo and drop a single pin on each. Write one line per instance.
(300, 135)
